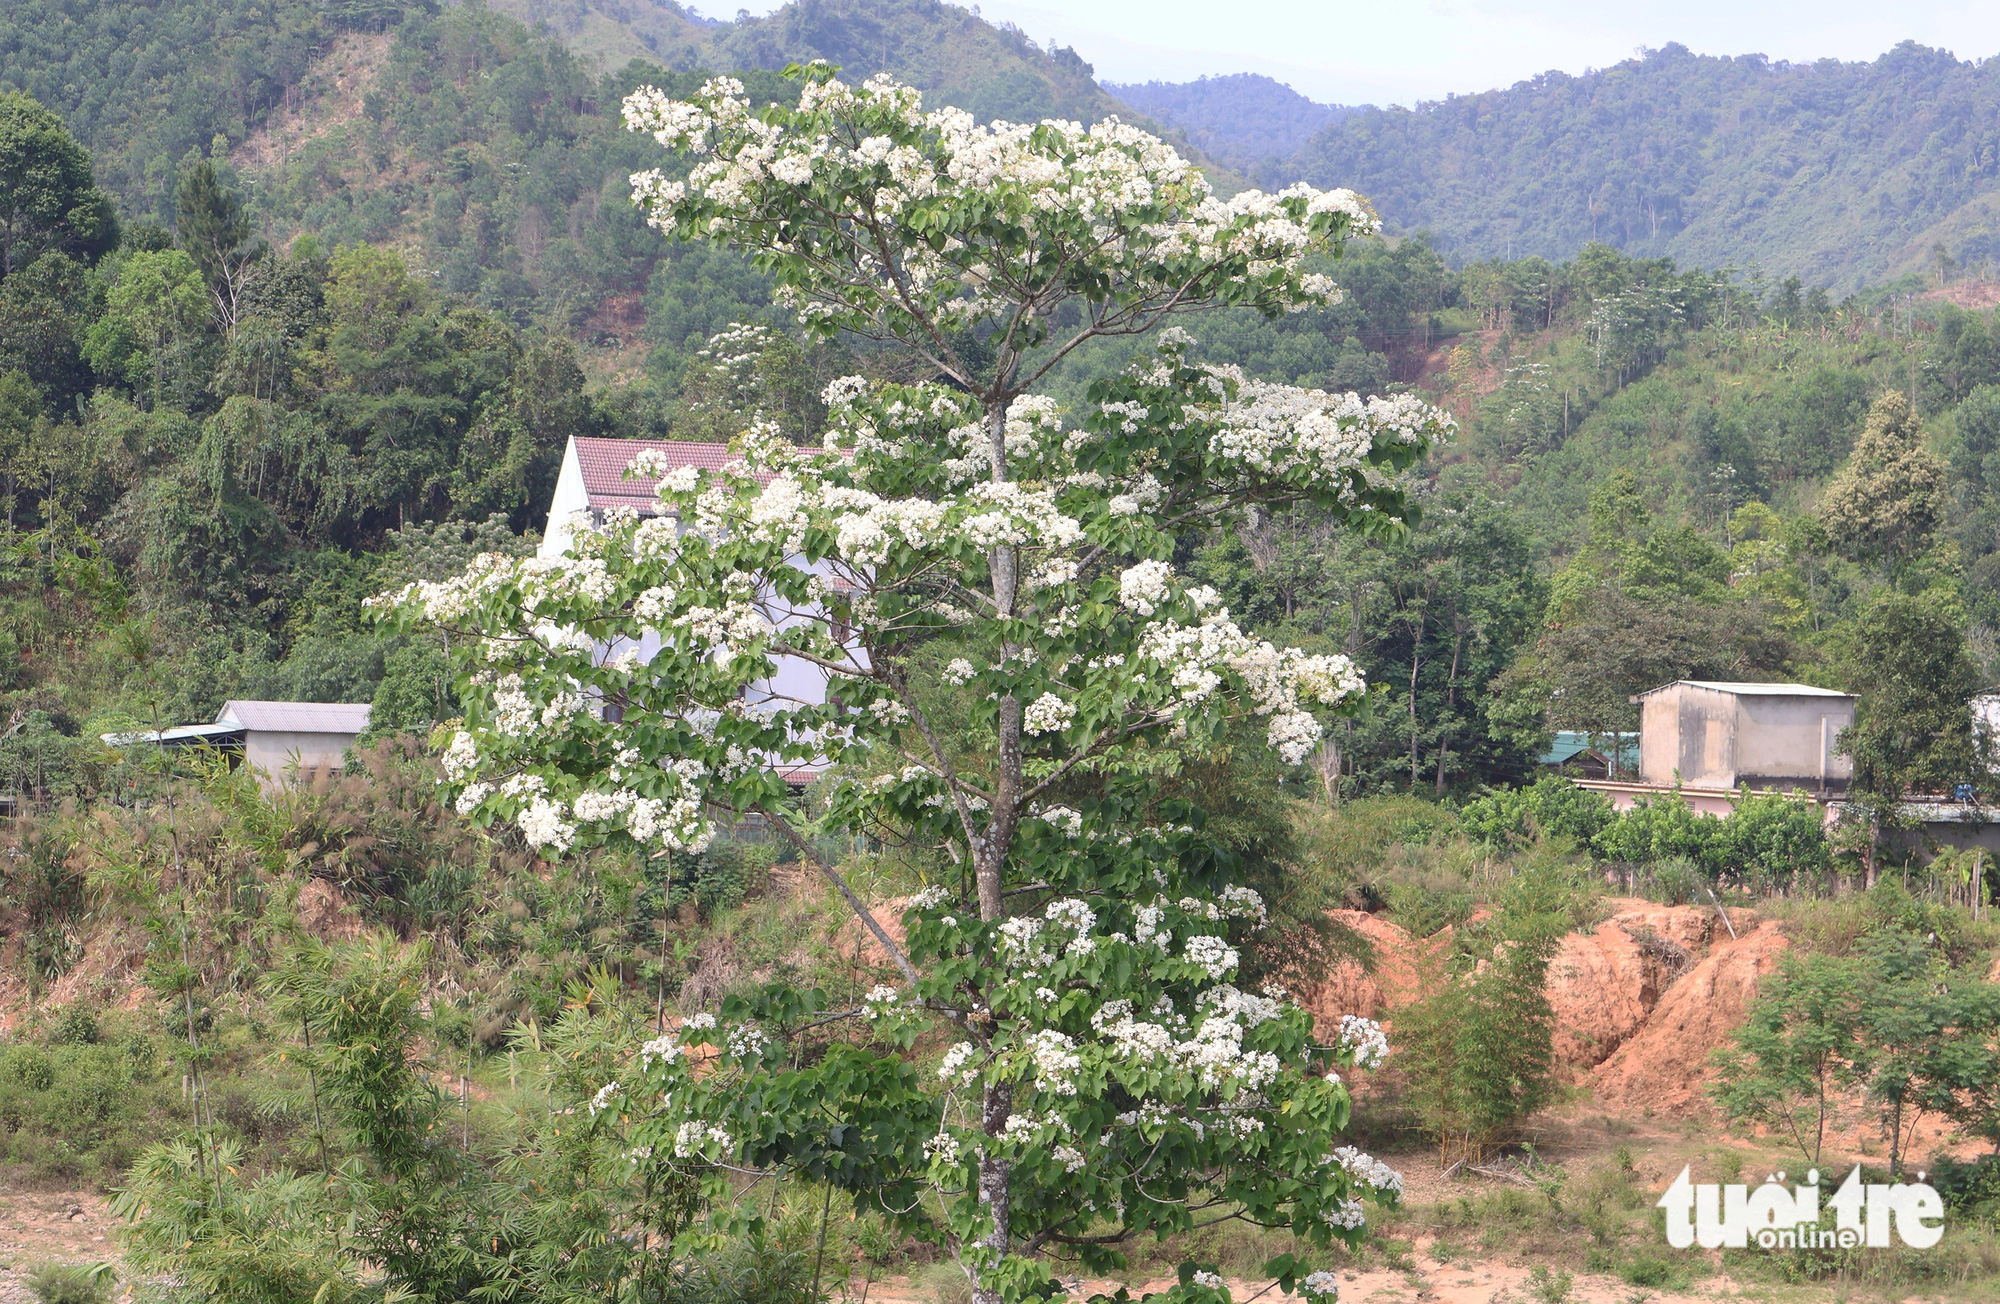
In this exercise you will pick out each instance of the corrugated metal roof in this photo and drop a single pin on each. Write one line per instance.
(180, 734)
(603, 463)
(296, 717)
(1751, 690)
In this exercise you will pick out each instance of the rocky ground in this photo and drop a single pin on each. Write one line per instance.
(38, 1227)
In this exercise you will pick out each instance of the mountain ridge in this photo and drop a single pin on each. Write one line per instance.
(1843, 174)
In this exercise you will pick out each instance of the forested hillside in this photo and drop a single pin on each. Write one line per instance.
(1246, 120)
(1843, 174)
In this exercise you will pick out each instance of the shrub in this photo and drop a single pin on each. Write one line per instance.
(1666, 829)
(76, 1026)
(1552, 805)
(1770, 838)
(1674, 882)
(67, 1283)
(1478, 1047)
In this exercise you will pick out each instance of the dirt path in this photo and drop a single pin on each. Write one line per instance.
(1430, 1283)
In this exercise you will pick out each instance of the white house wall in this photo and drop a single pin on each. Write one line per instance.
(273, 754)
(571, 497)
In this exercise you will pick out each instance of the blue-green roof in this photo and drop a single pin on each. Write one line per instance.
(1571, 743)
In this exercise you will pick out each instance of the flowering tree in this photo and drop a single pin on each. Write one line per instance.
(1105, 1079)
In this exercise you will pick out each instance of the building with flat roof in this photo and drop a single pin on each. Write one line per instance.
(282, 741)
(1711, 737)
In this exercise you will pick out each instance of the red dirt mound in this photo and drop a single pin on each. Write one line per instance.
(1350, 989)
(1603, 984)
(1664, 1066)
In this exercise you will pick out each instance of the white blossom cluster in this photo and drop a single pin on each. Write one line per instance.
(1276, 430)
(1369, 1169)
(1282, 682)
(870, 153)
(1366, 1039)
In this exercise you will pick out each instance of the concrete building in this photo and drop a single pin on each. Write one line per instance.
(1709, 737)
(1712, 738)
(294, 741)
(282, 741)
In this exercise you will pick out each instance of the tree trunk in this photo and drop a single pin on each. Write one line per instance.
(989, 864)
(1416, 660)
(994, 1175)
(1329, 771)
(1450, 703)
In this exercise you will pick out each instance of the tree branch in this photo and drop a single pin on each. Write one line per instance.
(854, 902)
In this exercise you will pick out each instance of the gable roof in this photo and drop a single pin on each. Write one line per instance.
(296, 717)
(603, 463)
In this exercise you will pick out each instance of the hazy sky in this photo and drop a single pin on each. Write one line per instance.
(1400, 51)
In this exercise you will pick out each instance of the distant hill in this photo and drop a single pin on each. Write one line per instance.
(608, 34)
(1841, 173)
(954, 55)
(1247, 120)
(1844, 174)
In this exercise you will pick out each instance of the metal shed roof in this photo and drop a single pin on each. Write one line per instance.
(184, 735)
(296, 717)
(1749, 690)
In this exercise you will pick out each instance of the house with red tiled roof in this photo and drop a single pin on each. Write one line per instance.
(593, 481)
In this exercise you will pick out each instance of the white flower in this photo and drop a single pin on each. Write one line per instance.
(1065, 819)
(955, 1061)
(1056, 1061)
(1212, 954)
(693, 1141)
(1143, 587)
(1365, 1038)
(1347, 1215)
(543, 825)
(959, 671)
(1321, 1286)
(1047, 714)
(461, 757)
(1369, 1169)
(1210, 1279)
(879, 1001)
(602, 1100)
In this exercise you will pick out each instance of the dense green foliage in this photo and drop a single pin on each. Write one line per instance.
(1627, 503)
(335, 352)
